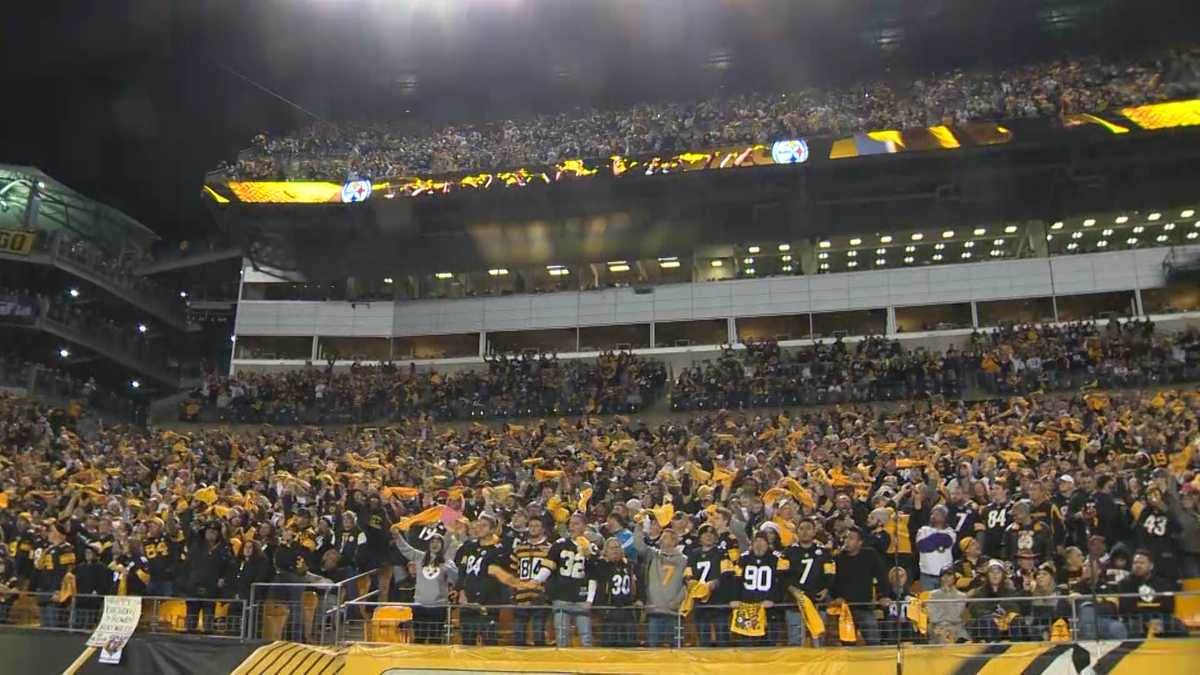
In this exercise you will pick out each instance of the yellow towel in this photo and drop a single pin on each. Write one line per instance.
(541, 475)
(696, 591)
(749, 619)
(430, 515)
(813, 622)
(400, 492)
(847, 632)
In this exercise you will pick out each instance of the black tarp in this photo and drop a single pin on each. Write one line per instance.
(37, 652)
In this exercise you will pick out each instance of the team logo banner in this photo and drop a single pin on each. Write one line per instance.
(17, 243)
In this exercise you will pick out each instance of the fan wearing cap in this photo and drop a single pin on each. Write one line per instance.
(763, 573)
(971, 565)
(1025, 534)
(993, 605)
(947, 609)
(529, 557)
(53, 566)
(933, 537)
(706, 564)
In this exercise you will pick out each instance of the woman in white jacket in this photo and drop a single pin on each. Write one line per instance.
(435, 573)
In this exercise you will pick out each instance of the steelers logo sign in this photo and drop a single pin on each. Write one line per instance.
(794, 151)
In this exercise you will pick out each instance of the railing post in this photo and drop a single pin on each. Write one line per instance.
(678, 630)
(1074, 620)
(449, 619)
(337, 617)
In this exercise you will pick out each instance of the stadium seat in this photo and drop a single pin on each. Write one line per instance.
(1187, 607)
(171, 614)
(274, 618)
(390, 624)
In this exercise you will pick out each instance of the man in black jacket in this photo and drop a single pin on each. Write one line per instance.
(209, 561)
(92, 582)
(860, 581)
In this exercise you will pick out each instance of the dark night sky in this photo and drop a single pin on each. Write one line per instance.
(128, 100)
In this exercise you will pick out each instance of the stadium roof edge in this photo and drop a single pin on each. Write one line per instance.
(62, 207)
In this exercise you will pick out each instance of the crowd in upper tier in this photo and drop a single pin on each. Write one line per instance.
(375, 150)
(842, 517)
(1010, 359)
(520, 386)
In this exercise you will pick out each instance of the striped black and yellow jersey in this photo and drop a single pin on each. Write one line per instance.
(528, 559)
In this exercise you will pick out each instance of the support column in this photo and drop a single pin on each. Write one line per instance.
(1036, 231)
(731, 328)
(891, 321)
(314, 354)
(653, 343)
(974, 315)
(482, 344)
(805, 255)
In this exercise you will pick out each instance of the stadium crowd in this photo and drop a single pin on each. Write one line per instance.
(841, 517)
(1011, 359)
(328, 151)
(512, 386)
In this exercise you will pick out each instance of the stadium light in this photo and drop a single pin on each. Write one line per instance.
(750, 271)
(141, 328)
(183, 294)
(980, 231)
(997, 242)
(938, 247)
(908, 260)
(1101, 244)
(74, 292)
(1011, 229)
(936, 256)
(1139, 229)
(1161, 238)
(825, 266)
(880, 251)
(444, 275)
(1077, 235)
(788, 258)
(1059, 225)
(966, 254)
(747, 261)
(1193, 235)
(498, 272)
(1154, 216)
(135, 384)
(716, 263)
(1121, 220)
(885, 239)
(852, 263)
(618, 268)
(1131, 241)
(753, 249)
(880, 261)
(968, 244)
(1089, 222)
(64, 353)
(855, 241)
(851, 254)
(558, 272)
(784, 248)
(947, 234)
(822, 256)
(388, 280)
(910, 249)
(1168, 227)
(917, 236)
(1107, 232)
(786, 268)
(825, 243)
(1187, 213)
(1072, 246)
(668, 264)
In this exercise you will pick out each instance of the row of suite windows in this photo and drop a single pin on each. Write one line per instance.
(1167, 300)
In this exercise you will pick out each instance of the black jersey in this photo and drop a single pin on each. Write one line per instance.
(477, 581)
(1154, 532)
(964, 518)
(707, 567)
(418, 537)
(996, 519)
(762, 577)
(615, 583)
(568, 565)
(812, 567)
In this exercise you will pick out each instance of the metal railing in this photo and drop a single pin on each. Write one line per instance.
(161, 615)
(330, 614)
